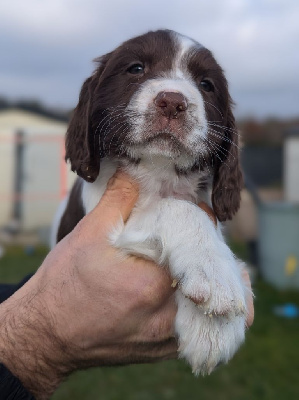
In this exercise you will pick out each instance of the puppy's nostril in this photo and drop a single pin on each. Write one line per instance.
(171, 103)
(161, 103)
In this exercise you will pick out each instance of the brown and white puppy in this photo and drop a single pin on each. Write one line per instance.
(158, 106)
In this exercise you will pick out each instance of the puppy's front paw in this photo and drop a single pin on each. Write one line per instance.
(206, 341)
(216, 286)
(195, 286)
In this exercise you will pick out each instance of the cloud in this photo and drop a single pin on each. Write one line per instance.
(47, 47)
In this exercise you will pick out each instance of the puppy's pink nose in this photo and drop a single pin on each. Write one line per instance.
(171, 103)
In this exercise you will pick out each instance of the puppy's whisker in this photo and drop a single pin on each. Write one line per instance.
(224, 138)
(207, 102)
(222, 149)
(120, 125)
(225, 128)
(117, 145)
(202, 157)
(103, 121)
(215, 152)
(109, 122)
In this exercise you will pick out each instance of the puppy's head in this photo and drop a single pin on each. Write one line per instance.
(159, 95)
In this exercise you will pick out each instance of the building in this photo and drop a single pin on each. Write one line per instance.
(33, 174)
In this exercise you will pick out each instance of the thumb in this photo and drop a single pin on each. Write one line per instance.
(117, 201)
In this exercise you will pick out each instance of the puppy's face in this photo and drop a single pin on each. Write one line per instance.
(157, 95)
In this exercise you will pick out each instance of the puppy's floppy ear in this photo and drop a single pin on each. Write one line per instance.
(228, 178)
(82, 145)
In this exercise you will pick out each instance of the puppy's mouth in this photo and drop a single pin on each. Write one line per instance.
(160, 143)
(165, 141)
(163, 136)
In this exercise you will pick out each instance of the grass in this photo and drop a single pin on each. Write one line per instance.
(265, 368)
(17, 262)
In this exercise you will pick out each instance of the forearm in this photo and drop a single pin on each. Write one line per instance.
(28, 345)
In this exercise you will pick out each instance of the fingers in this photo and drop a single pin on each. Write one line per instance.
(115, 205)
(119, 198)
(159, 318)
(155, 351)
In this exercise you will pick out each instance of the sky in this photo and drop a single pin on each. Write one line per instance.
(47, 46)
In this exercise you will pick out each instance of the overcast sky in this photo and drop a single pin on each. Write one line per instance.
(47, 46)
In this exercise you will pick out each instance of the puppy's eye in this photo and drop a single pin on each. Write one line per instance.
(136, 69)
(207, 85)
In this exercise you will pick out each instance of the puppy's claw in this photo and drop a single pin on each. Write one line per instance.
(174, 283)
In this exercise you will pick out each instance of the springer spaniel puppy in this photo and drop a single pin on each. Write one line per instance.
(158, 107)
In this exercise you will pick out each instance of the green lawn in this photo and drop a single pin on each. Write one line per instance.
(265, 368)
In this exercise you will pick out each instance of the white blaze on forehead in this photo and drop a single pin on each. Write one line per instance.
(178, 79)
(185, 45)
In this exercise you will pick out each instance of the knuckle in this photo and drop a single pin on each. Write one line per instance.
(127, 193)
(121, 194)
(123, 184)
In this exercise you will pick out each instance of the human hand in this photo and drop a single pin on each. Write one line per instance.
(88, 304)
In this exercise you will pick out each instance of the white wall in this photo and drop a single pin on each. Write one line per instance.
(43, 158)
(42, 177)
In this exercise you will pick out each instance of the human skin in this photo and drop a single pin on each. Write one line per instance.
(89, 305)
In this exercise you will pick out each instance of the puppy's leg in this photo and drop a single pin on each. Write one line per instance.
(181, 235)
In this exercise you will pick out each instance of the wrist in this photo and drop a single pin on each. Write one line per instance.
(29, 347)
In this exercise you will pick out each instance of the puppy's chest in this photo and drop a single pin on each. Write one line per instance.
(157, 185)
(182, 190)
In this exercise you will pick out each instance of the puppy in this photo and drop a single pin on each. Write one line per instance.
(158, 106)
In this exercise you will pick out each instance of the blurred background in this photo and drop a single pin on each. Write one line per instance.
(47, 48)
